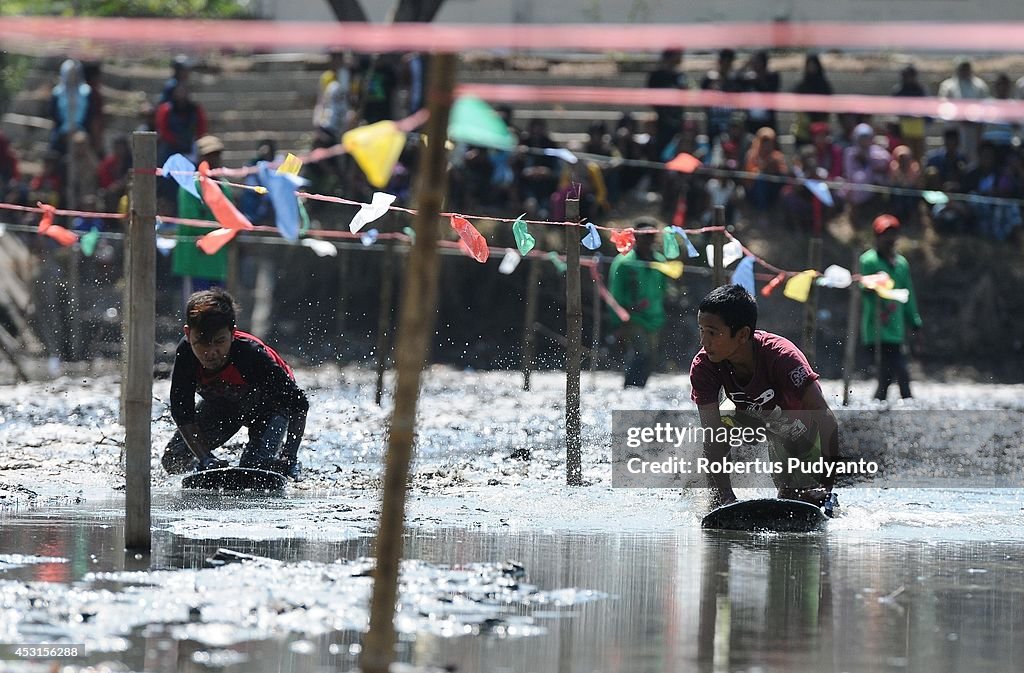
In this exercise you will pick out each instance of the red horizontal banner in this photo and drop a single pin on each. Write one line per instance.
(988, 110)
(56, 34)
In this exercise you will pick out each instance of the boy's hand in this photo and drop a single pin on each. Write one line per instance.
(212, 462)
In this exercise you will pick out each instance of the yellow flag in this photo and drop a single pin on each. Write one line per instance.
(798, 288)
(290, 166)
(671, 269)
(376, 148)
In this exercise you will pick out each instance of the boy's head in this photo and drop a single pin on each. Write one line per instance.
(726, 320)
(209, 324)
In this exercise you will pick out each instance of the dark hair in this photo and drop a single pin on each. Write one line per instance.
(734, 305)
(209, 311)
(951, 132)
(727, 54)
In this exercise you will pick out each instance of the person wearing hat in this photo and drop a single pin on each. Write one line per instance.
(640, 289)
(884, 321)
(198, 270)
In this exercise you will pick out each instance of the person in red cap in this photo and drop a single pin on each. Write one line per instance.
(884, 321)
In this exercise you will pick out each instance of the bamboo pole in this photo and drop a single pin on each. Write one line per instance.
(718, 241)
(595, 325)
(811, 305)
(141, 333)
(383, 351)
(852, 324)
(574, 337)
(416, 319)
(529, 343)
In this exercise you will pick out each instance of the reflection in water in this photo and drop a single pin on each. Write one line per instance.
(689, 600)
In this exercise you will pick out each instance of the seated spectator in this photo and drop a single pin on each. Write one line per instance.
(904, 173)
(759, 79)
(813, 81)
(732, 147)
(766, 161)
(948, 161)
(181, 68)
(179, 122)
(952, 217)
(865, 163)
(912, 129)
(723, 78)
(828, 157)
(800, 207)
(113, 173)
(48, 186)
(994, 177)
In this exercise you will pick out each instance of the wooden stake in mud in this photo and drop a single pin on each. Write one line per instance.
(387, 284)
(140, 335)
(574, 338)
(811, 305)
(416, 319)
(718, 241)
(595, 325)
(529, 343)
(852, 324)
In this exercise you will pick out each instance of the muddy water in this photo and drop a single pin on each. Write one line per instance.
(683, 600)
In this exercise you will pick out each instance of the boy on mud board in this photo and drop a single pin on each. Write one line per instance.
(243, 382)
(772, 385)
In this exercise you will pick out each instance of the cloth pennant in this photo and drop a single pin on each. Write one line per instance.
(901, 295)
(181, 170)
(624, 240)
(592, 241)
(220, 205)
(303, 217)
(770, 286)
(65, 237)
(369, 237)
(684, 163)
(821, 192)
(669, 244)
(88, 242)
(282, 195)
(290, 166)
(474, 240)
(46, 221)
(798, 288)
(321, 248)
(165, 245)
(691, 251)
(935, 198)
(835, 276)
(372, 211)
(212, 242)
(561, 153)
(731, 251)
(509, 262)
(411, 233)
(376, 148)
(877, 280)
(474, 122)
(744, 275)
(673, 270)
(524, 240)
(557, 261)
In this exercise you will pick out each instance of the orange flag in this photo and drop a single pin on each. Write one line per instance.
(61, 235)
(624, 240)
(684, 163)
(215, 240)
(475, 243)
(46, 221)
(223, 210)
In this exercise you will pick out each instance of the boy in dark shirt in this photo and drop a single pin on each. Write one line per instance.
(771, 384)
(243, 382)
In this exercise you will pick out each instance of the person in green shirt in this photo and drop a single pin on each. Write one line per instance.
(640, 289)
(198, 270)
(884, 321)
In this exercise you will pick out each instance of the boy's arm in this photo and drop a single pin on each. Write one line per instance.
(183, 401)
(279, 390)
(814, 402)
(716, 452)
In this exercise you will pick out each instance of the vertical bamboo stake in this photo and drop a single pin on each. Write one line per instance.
(529, 343)
(718, 241)
(70, 326)
(811, 305)
(852, 325)
(387, 283)
(573, 337)
(595, 325)
(416, 319)
(341, 306)
(141, 334)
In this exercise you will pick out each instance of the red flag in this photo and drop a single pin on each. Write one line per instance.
(624, 240)
(61, 235)
(767, 290)
(223, 210)
(679, 219)
(46, 221)
(684, 163)
(475, 243)
(215, 240)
